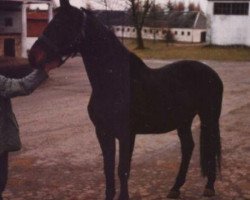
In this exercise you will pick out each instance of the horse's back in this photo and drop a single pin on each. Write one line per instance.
(190, 70)
(196, 77)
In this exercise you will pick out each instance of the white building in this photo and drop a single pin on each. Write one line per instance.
(185, 26)
(14, 40)
(228, 22)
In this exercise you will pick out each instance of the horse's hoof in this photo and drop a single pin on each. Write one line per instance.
(123, 197)
(110, 194)
(109, 198)
(173, 194)
(209, 192)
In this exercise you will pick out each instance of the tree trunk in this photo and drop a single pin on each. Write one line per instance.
(139, 40)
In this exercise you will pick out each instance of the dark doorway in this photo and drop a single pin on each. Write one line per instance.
(9, 47)
(203, 37)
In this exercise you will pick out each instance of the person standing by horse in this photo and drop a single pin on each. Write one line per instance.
(9, 131)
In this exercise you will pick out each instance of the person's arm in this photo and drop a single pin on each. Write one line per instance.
(18, 87)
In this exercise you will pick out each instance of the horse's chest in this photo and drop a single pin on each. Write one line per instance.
(108, 114)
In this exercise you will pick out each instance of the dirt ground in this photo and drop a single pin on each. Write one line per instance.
(61, 158)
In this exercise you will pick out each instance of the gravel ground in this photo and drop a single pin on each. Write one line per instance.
(61, 158)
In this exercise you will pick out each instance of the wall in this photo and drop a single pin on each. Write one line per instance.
(17, 22)
(11, 32)
(183, 35)
(36, 27)
(227, 29)
(29, 42)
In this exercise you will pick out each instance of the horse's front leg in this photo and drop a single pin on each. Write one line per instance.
(125, 154)
(107, 143)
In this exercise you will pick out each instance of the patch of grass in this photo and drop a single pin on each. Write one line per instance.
(160, 50)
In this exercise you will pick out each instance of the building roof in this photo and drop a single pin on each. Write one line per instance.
(177, 19)
(174, 19)
(114, 17)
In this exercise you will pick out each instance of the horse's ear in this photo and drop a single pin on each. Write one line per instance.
(64, 3)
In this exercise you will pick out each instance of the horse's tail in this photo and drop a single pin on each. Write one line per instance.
(210, 142)
(210, 148)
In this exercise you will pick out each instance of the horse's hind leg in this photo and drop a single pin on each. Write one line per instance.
(187, 146)
(107, 143)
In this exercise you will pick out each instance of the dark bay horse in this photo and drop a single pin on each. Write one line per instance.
(129, 98)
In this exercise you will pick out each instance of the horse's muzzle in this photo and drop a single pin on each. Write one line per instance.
(40, 57)
(37, 56)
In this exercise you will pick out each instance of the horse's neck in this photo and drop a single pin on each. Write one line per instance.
(105, 58)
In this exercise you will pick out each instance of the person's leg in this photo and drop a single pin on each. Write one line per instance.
(3, 172)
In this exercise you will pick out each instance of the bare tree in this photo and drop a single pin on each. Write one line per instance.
(197, 7)
(139, 10)
(179, 6)
(193, 7)
(156, 12)
(169, 37)
(170, 6)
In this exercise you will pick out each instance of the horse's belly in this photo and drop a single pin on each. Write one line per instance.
(152, 123)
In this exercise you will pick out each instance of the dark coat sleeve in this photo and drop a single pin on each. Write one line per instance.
(19, 87)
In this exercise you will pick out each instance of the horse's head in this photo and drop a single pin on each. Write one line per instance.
(60, 39)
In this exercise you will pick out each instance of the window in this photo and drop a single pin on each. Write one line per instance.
(128, 29)
(182, 32)
(188, 33)
(117, 29)
(8, 21)
(231, 8)
(145, 30)
(240, 8)
(176, 33)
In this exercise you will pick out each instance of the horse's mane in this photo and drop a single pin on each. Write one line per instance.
(100, 26)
